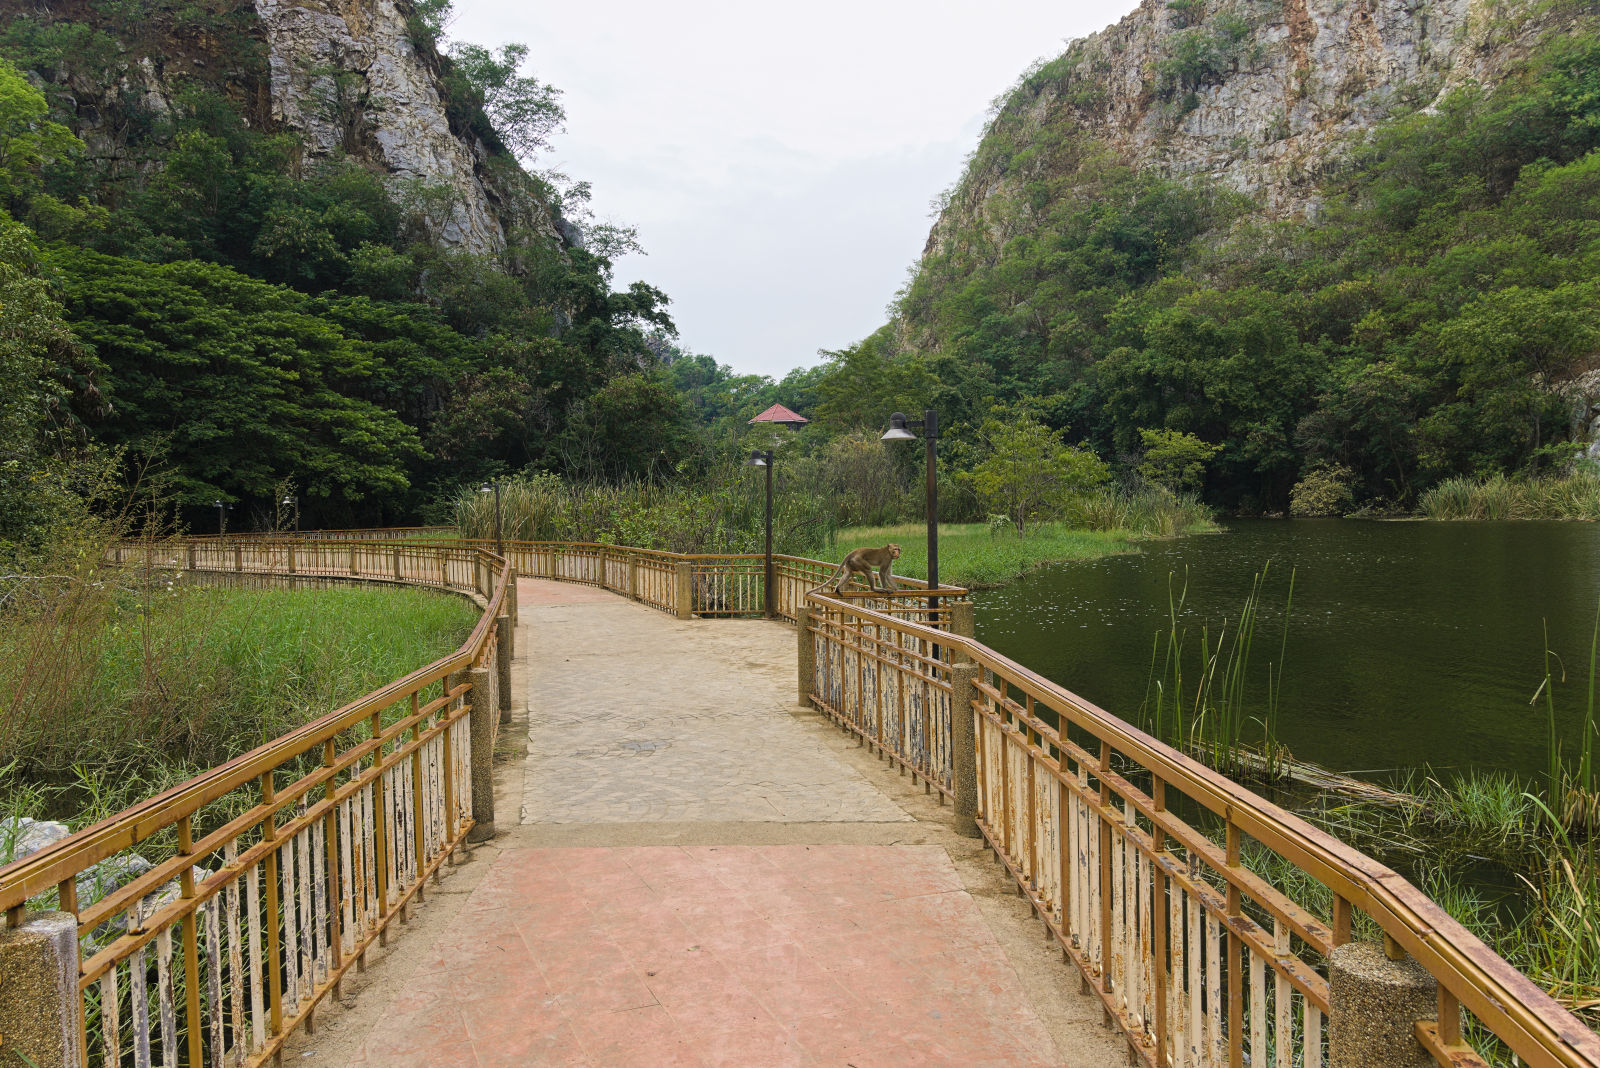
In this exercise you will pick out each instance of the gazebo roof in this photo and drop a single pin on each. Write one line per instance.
(779, 414)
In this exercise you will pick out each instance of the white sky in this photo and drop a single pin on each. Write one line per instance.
(777, 160)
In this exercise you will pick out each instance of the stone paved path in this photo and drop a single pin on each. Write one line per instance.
(642, 716)
(707, 875)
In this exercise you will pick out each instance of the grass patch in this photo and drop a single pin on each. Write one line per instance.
(162, 683)
(970, 556)
(1570, 496)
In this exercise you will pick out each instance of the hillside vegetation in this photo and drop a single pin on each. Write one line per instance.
(1427, 321)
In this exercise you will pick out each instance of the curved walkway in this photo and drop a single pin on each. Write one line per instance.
(706, 874)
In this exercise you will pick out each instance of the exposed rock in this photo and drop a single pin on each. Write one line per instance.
(347, 75)
(26, 836)
(1264, 97)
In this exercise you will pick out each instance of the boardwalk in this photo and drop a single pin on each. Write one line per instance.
(694, 871)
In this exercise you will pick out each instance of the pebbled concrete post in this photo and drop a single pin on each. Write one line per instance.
(685, 589)
(483, 719)
(806, 650)
(964, 748)
(1374, 1005)
(962, 620)
(504, 650)
(39, 991)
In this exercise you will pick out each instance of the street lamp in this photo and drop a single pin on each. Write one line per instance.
(764, 458)
(293, 501)
(494, 487)
(900, 430)
(222, 515)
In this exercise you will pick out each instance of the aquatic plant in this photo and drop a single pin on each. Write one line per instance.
(1211, 717)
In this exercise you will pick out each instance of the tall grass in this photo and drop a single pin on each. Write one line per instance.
(1149, 511)
(1575, 495)
(170, 680)
(723, 514)
(1207, 711)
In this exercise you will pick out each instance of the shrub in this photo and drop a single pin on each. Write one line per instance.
(1324, 491)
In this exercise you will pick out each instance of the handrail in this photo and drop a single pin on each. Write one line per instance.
(1536, 1027)
(256, 915)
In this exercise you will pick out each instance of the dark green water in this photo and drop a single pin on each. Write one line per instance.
(1409, 643)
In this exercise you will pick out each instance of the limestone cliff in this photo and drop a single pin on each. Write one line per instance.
(1261, 95)
(343, 75)
(347, 75)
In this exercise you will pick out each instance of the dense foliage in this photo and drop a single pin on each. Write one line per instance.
(245, 316)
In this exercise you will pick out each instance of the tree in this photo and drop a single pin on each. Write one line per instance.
(1175, 459)
(1027, 468)
(523, 110)
(28, 139)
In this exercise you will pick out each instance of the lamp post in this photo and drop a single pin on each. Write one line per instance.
(493, 486)
(763, 458)
(900, 430)
(293, 501)
(222, 515)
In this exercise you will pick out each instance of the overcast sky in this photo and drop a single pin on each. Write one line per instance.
(777, 160)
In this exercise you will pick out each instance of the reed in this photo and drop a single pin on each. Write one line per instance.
(1209, 715)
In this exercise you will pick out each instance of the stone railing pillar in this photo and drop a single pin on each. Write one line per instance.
(685, 589)
(1374, 1005)
(806, 649)
(483, 720)
(503, 652)
(39, 995)
(962, 620)
(964, 748)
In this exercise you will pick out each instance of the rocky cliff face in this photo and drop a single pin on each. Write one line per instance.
(1260, 95)
(344, 75)
(347, 76)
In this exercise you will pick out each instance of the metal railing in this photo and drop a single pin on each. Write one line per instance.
(285, 863)
(1150, 869)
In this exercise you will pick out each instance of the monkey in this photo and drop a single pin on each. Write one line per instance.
(866, 562)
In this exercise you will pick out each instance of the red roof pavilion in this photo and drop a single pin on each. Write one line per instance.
(781, 415)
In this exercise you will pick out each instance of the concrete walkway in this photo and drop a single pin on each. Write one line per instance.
(706, 874)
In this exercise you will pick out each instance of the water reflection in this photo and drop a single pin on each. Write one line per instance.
(1409, 643)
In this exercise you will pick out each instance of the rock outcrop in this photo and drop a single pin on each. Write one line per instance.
(1261, 96)
(347, 76)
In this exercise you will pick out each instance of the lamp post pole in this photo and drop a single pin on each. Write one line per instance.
(930, 428)
(222, 516)
(499, 541)
(764, 458)
(900, 430)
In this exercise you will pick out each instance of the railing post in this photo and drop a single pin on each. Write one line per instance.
(962, 620)
(503, 651)
(633, 576)
(483, 719)
(238, 557)
(291, 558)
(1374, 1004)
(39, 996)
(964, 747)
(807, 654)
(353, 569)
(685, 589)
(191, 557)
(398, 576)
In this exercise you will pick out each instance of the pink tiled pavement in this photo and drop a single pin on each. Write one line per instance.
(749, 956)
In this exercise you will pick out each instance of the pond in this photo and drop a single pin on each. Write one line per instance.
(1409, 644)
